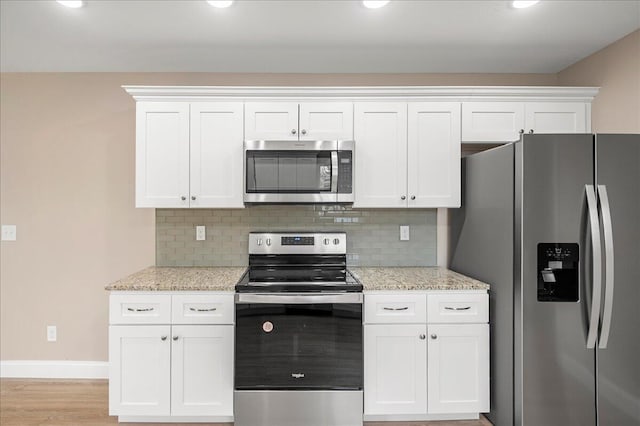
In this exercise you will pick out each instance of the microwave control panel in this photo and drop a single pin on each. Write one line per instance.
(345, 172)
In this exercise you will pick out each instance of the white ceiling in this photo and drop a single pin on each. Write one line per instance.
(308, 36)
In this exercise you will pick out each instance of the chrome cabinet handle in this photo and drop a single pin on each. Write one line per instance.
(293, 131)
(403, 198)
(607, 225)
(596, 266)
(163, 338)
(422, 337)
(175, 338)
(193, 197)
(404, 308)
(202, 310)
(183, 198)
(448, 308)
(434, 336)
(530, 131)
(140, 309)
(521, 131)
(304, 132)
(413, 197)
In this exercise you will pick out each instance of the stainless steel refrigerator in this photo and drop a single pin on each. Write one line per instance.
(552, 222)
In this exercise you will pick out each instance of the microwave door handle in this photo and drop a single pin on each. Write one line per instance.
(334, 171)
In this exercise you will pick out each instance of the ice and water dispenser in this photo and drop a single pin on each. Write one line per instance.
(558, 272)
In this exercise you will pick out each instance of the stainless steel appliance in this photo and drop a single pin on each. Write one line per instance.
(298, 357)
(552, 222)
(298, 172)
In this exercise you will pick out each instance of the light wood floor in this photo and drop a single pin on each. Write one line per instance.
(28, 402)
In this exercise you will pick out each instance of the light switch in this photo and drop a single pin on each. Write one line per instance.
(9, 232)
(404, 232)
(200, 233)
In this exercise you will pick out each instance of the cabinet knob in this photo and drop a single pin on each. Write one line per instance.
(293, 131)
(183, 198)
(175, 338)
(403, 198)
(521, 131)
(163, 338)
(193, 197)
(304, 132)
(434, 336)
(530, 131)
(413, 197)
(422, 337)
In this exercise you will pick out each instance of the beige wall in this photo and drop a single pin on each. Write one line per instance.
(67, 182)
(616, 69)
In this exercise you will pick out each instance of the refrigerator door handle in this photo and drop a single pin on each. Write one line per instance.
(594, 316)
(607, 225)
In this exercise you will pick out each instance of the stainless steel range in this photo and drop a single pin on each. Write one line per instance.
(298, 357)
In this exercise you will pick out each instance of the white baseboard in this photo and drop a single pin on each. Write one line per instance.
(55, 369)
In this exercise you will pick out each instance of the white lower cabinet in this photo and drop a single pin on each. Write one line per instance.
(426, 371)
(171, 372)
(395, 369)
(458, 368)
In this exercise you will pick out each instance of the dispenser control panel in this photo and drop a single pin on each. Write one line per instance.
(558, 272)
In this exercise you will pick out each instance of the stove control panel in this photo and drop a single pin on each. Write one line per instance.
(297, 243)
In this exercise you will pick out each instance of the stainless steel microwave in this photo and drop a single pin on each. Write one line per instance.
(298, 172)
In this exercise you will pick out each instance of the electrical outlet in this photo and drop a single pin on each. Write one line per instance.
(52, 333)
(200, 233)
(9, 232)
(404, 233)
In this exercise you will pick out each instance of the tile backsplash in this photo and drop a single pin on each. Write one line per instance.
(373, 236)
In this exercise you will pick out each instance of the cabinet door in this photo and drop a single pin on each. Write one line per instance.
(139, 370)
(216, 155)
(434, 154)
(458, 368)
(202, 370)
(380, 132)
(492, 121)
(271, 121)
(326, 121)
(162, 154)
(556, 117)
(395, 369)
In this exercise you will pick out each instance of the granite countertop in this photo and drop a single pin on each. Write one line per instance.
(157, 278)
(407, 278)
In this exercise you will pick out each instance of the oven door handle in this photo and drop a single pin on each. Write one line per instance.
(299, 298)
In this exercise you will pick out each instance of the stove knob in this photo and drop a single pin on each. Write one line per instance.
(336, 241)
(268, 241)
(259, 242)
(326, 241)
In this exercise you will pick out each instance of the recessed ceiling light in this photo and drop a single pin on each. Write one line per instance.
(521, 4)
(375, 4)
(220, 3)
(71, 3)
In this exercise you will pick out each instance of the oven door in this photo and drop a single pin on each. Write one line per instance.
(298, 342)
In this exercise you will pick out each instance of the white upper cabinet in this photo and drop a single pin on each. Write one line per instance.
(216, 155)
(503, 121)
(380, 132)
(271, 121)
(162, 154)
(189, 155)
(492, 121)
(434, 154)
(292, 121)
(556, 117)
(321, 121)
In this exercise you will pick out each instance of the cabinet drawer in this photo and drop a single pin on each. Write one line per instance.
(455, 308)
(395, 308)
(139, 309)
(202, 309)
